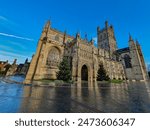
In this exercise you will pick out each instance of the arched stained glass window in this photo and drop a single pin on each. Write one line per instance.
(53, 57)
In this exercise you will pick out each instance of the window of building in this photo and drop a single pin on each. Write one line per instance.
(53, 57)
(127, 60)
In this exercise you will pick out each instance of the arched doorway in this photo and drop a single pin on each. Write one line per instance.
(84, 73)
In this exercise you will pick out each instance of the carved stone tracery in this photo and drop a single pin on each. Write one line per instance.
(53, 58)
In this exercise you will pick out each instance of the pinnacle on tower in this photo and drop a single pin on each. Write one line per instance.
(15, 61)
(98, 29)
(131, 42)
(26, 61)
(47, 25)
(130, 37)
(46, 29)
(106, 24)
(78, 35)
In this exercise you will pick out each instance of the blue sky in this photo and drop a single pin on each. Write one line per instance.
(21, 22)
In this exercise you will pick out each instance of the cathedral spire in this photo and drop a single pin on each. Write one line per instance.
(45, 30)
(106, 24)
(26, 61)
(132, 44)
(98, 29)
(47, 25)
(78, 35)
(130, 37)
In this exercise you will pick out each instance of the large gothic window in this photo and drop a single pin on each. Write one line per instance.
(53, 57)
(127, 61)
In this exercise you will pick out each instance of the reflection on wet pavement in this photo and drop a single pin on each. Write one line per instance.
(82, 97)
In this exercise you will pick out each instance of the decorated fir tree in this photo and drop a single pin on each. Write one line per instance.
(101, 74)
(64, 72)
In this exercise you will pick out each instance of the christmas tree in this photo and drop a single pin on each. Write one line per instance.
(101, 74)
(64, 72)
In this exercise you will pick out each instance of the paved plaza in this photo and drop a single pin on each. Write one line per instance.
(78, 98)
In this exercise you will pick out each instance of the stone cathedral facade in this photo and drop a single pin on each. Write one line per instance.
(84, 58)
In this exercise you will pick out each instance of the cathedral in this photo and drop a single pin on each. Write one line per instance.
(84, 58)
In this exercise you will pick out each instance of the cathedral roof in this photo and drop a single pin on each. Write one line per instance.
(123, 50)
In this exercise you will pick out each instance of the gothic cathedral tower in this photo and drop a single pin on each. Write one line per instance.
(106, 38)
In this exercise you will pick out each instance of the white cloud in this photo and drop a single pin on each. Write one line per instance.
(7, 22)
(14, 36)
(21, 46)
(3, 18)
(6, 48)
(12, 54)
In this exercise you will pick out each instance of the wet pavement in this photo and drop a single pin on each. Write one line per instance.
(82, 97)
